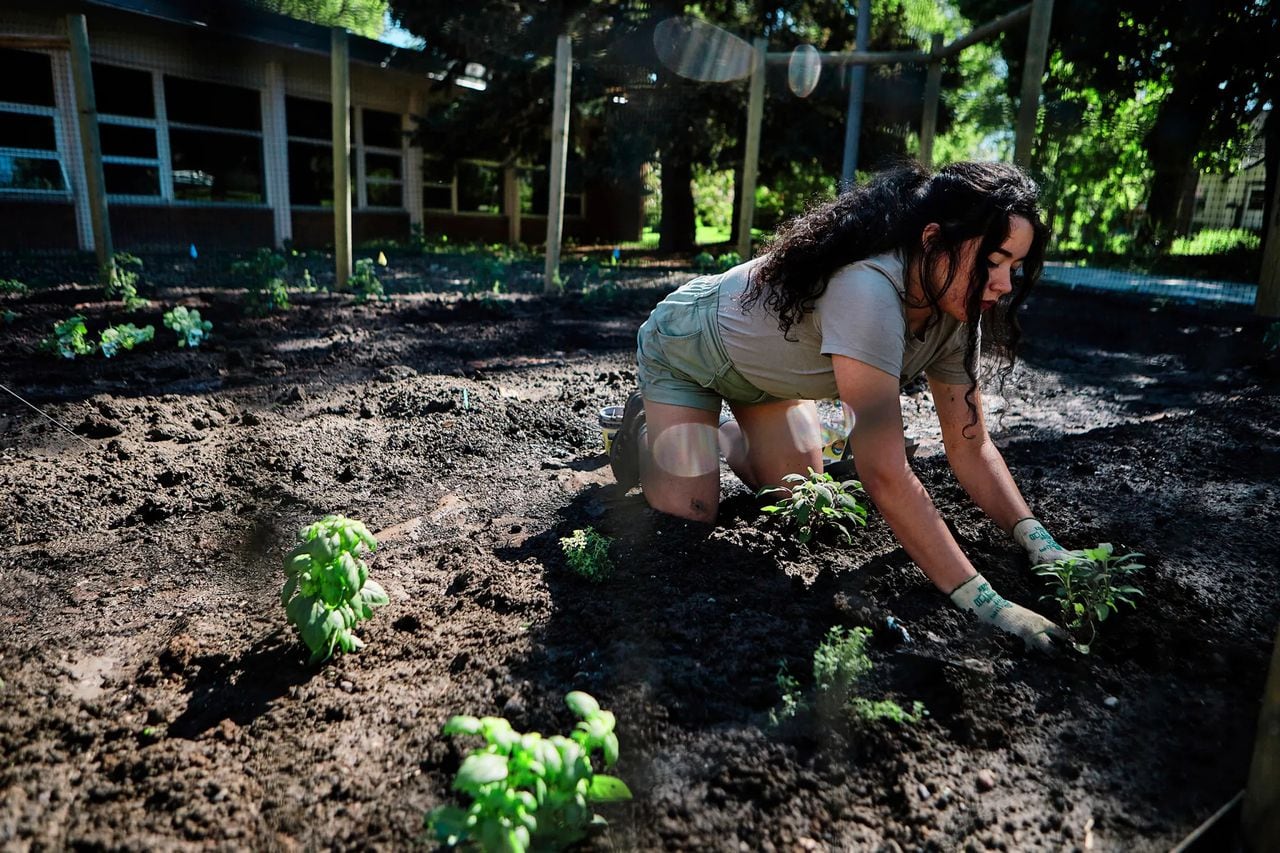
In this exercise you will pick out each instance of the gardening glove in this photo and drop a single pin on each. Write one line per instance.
(1039, 543)
(1037, 632)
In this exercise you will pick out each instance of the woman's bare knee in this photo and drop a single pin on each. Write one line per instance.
(689, 506)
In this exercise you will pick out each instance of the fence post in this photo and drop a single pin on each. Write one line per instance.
(751, 152)
(91, 146)
(932, 92)
(340, 84)
(857, 89)
(1032, 71)
(559, 156)
(1267, 302)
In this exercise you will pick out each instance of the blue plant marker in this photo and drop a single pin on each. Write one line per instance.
(466, 399)
(617, 253)
(194, 253)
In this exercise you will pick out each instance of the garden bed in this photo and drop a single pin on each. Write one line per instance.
(154, 697)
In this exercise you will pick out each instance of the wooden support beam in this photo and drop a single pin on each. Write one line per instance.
(1267, 302)
(22, 41)
(857, 95)
(932, 94)
(1261, 817)
(340, 86)
(751, 152)
(91, 146)
(1032, 72)
(559, 158)
(987, 30)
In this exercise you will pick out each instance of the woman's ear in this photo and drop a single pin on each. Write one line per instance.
(929, 233)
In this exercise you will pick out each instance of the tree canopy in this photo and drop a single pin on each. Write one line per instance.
(363, 17)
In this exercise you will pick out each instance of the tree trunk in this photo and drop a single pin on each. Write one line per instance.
(679, 230)
(1172, 144)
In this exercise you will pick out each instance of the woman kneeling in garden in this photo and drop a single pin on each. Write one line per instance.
(853, 300)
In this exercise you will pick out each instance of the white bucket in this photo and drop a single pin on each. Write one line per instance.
(610, 421)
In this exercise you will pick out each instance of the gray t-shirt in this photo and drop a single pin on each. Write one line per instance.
(862, 314)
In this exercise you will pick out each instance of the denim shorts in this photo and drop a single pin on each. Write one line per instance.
(680, 358)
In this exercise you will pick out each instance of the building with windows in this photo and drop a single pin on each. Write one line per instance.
(215, 129)
(1238, 199)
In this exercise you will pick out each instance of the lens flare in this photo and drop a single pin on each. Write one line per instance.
(686, 450)
(806, 429)
(803, 70)
(701, 51)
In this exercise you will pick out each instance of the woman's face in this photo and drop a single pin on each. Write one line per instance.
(1001, 266)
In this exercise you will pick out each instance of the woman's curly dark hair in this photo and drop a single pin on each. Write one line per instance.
(889, 213)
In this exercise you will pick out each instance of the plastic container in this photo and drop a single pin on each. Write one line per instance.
(610, 421)
(835, 430)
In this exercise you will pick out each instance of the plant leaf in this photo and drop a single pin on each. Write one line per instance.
(607, 789)
(480, 769)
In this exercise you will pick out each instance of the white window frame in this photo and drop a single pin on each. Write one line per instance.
(306, 140)
(362, 150)
(164, 167)
(451, 185)
(57, 155)
(581, 197)
(260, 135)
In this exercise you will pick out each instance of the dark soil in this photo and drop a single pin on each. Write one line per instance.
(155, 698)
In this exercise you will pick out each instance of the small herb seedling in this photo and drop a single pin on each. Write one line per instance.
(364, 282)
(124, 336)
(186, 322)
(122, 280)
(263, 276)
(528, 791)
(13, 286)
(587, 553)
(1089, 588)
(70, 338)
(328, 591)
(839, 662)
(817, 501)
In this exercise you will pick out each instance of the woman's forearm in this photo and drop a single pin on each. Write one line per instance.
(982, 472)
(916, 523)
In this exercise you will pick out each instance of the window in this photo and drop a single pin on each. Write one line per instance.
(479, 187)
(535, 191)
(127, 128)
(381, 145)
(215, 141)
(437, 184)
(310, 129)
(29, 158)
(1257, 199)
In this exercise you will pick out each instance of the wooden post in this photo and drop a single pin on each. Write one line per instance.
(413, 160)
(751, 152)
(1261, 818)
(91, 146)
(857, 92)
(932, 92)
(559, 157)
(340, 84)
(277, 146)
(1032, 72)
(1267, 302)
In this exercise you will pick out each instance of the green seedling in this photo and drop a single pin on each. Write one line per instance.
(263, 277)
(527, 791)
(587, 553)
(328, 591)
(12, 286)
(817, 501)
(186, 322)
(8, 316)
(122, 280)
(839, 662)
(1090, 588)
(365, 283)
(70, 338)
(124, 336)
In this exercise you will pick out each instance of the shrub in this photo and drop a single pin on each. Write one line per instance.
(124, 336)
(365, 282)
(328, 591)
(1088, 589)
(528, 791)
(186, 322)
(587, 553)
(818, 501)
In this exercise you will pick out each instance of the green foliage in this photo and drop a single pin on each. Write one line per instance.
(528, 791)
(124, 336)
(587, 553)
(186, 322)
(705, 262)
(713, 196)
(262, 275)
(122, 280)
(363, 17)
(69, 338)
(7, 316)
(817, 501)
(839, 663)
(327, 591)
(1217, 241)
(365, 282)
(1088, 589)
(13, 287)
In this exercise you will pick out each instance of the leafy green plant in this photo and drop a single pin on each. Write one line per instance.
(839, 662)
(122, 280)
(186, 322)
(528, 791)
(1090, 588)
(7, 316)
(262, 274)
(587, 553)
(364, 282)
(124, 336)
(13, 287)
(816, 501)
(70, 338)
(327, 591)
(1216, 241)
